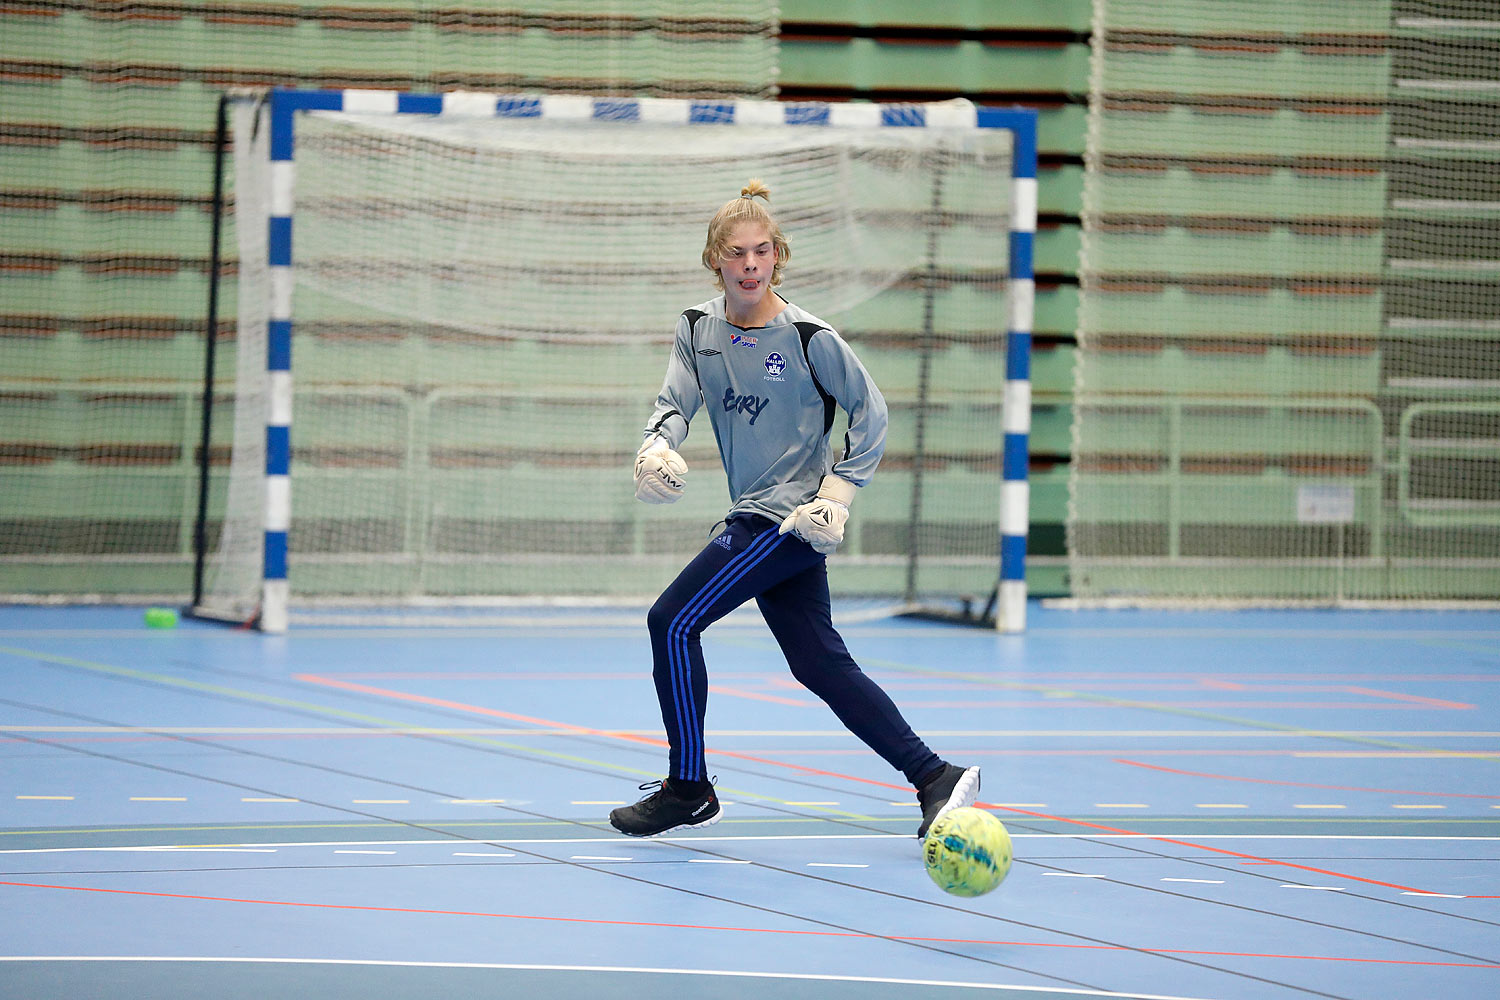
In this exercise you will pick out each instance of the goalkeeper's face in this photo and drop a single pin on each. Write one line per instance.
(747, 265)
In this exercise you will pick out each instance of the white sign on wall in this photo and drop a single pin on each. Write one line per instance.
(1325, 504)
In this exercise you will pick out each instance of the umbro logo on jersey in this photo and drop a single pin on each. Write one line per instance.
(708, 352)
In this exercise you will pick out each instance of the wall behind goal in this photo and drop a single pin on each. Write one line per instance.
(106, 127)
(1288, 380)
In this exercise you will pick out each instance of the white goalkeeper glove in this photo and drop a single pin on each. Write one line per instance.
(820, 521)
(660, 472)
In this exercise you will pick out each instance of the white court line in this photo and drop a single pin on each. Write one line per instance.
(771, 838)
(210, 850)
(477, 854)
(840, 733)
(508, 842)
(543, 628)
(518, 967)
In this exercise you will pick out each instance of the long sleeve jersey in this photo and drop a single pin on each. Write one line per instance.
(770, 392)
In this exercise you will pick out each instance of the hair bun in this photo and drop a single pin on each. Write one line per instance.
(756, 189)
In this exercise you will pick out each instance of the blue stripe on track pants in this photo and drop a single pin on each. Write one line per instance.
(789, 581)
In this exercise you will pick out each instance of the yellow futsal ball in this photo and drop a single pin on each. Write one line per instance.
(967, 852)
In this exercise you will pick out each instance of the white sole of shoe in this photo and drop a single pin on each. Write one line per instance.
(681, 826)
(964, 793)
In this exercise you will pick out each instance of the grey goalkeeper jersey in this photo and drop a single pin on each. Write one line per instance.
(770, 392)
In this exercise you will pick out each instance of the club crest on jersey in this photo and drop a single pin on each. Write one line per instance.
(775, 365)
(740, 340)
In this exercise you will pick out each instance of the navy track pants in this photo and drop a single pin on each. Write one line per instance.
(789, 581)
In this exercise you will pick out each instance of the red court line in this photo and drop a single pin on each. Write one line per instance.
(1413, 698)
(1116, 676)
(485, 675)
(1302, 784)
(1068, 704)
(742, 930)
(755, 696)
(422, 699)
(1217, 850)
(444, 703)
(480, 709)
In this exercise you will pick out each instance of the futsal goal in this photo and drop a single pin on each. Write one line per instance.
(454, 312)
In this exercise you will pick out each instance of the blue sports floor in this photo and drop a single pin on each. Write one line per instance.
(1207, 805)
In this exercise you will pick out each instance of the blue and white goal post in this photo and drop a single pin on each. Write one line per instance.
(285, 107)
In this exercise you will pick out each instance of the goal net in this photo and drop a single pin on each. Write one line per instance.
(483, 308)
(1288, 378)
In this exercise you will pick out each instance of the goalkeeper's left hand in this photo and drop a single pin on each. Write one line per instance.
(820, 521)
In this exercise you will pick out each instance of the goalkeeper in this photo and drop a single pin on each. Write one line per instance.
(770, 375)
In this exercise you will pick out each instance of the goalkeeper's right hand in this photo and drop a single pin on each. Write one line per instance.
(660, 472)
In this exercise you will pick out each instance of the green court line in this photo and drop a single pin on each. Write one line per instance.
(306, 706)
(393, 825)
(742, 821)
(218, 828)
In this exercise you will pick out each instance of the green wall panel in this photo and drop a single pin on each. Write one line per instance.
(971, 14)
(967, 66)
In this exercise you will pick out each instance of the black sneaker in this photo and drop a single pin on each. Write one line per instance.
(950, 788)
(664, 811)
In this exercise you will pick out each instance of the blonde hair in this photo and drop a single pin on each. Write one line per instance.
(740, 210)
